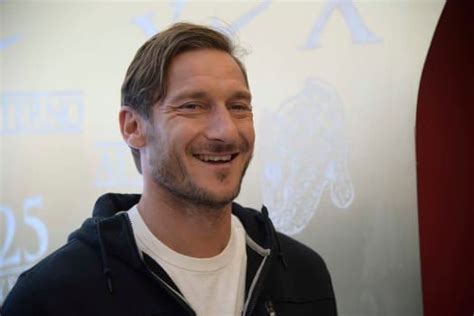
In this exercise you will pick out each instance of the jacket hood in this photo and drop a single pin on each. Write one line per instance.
(110, 206)
(109, 229)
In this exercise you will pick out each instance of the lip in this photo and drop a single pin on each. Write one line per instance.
(216, 164)
(224, 153)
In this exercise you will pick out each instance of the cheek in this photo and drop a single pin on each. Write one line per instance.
(248, 132)
(180, 139)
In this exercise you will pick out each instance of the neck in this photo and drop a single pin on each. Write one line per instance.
(192, 230)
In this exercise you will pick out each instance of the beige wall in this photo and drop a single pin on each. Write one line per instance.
(335, 86)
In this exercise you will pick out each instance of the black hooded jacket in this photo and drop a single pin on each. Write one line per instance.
(101, 272)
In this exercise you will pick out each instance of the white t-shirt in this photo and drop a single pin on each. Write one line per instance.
(212, 286)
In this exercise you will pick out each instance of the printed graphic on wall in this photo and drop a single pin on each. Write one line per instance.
(16, 259)
(112, 168)
(146, 21)
(42, 112)
(8, 41)
(304, 152)
(360, 33)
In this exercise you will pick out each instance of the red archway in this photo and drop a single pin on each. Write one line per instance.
(445, 165)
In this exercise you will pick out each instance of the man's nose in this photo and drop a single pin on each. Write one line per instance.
(221, 125)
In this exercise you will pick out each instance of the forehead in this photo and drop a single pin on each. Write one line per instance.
(204, 67)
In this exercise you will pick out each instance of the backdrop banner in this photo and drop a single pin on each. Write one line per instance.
(334, 87)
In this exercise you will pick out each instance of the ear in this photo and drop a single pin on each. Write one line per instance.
(132, 127)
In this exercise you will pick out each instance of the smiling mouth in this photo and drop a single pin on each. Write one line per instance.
(216, 158)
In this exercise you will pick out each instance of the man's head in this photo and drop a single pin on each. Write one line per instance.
(187, 115)
(145, 83)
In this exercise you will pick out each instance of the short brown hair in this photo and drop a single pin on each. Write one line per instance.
(145, 83)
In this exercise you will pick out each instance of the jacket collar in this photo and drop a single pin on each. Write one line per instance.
(105, 229)
(257, 224)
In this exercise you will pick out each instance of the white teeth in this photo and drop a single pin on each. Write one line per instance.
(214, 158)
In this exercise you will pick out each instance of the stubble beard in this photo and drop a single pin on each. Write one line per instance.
(170, 173)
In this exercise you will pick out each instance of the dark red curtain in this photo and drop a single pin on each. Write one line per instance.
(445, 165)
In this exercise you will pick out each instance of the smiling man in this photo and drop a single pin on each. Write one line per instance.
(182, 247)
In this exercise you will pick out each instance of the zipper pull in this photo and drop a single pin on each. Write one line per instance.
(270, 309)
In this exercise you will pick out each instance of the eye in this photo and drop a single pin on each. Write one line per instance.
(191, 106)
(240, 107)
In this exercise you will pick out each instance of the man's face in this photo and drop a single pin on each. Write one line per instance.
(200, 138)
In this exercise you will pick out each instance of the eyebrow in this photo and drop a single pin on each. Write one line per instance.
(201, 94)
(242, 94)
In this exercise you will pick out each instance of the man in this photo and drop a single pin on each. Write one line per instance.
(182, 247)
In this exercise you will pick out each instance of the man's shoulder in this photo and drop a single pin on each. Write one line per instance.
(73, 262)
(69, 260)
(297, 253)
(299, 277)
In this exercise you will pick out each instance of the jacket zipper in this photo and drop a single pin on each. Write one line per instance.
(171, 291)
(270, 309)
(261, 272)
(253, 294)
(180, 300)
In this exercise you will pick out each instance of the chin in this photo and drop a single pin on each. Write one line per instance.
(222, 190)
(221, 197)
